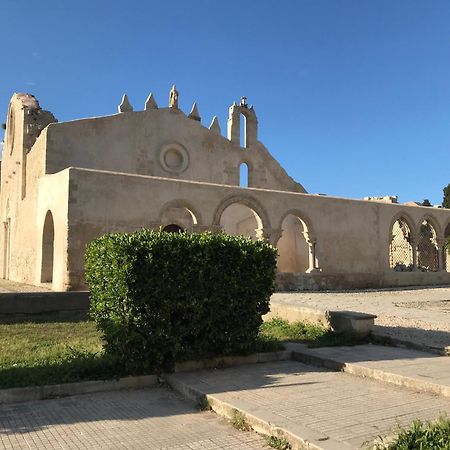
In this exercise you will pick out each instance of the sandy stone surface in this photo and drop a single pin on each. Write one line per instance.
(421, 316)
(11, 286)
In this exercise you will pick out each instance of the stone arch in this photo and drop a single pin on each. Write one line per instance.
(180, 213)
(247, 201)
(433, 221)
(446, 248)
(427, 246)
(234, 125)
(297, 243)
(48, 249)
(402, 247)
(431, 252)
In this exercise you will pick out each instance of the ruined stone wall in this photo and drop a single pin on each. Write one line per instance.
(160, 142)
(352, 237)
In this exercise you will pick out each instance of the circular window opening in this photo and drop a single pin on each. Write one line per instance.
(173, 228)
(174, 158)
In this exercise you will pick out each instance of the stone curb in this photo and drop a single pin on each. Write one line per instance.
(305, 355)
(228, 361)
(401, 343)
(30, 393)
(24, 394)
(263, 422)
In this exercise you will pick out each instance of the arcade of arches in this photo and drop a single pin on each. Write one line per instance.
(423, 250)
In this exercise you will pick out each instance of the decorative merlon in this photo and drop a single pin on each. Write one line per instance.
(215, 127)
(150, 103)
(194, 114)
(125, 105)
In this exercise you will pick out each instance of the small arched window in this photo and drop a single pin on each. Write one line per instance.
(243, 130)
(243, 175)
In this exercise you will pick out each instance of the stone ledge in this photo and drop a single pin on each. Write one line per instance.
(309, 356)
(351, 321)
(30, 393)
(340, 321)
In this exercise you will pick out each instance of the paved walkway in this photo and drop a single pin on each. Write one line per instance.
(333, 410)
(421, 316)
(153, 418)
(417, 370)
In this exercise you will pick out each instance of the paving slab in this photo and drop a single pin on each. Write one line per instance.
(321, 408)
(153, 418)
(404, 367)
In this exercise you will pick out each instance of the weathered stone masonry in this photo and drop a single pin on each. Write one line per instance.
(64, 184)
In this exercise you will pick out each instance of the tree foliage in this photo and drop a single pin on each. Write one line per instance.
(446, 200)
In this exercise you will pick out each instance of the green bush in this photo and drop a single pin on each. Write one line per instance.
(159, 297)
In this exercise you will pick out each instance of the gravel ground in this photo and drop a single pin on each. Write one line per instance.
(421, 316)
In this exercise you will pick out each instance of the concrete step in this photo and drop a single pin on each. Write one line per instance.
(408, 368)
(308, 406)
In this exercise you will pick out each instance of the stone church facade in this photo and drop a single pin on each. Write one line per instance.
(64, 184)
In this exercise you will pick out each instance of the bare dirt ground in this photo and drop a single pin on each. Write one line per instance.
(420, 316)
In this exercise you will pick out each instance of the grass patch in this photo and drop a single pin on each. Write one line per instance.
(239, 421)
(204, 404)
(278, 443)
(36, 353)
(50, 350)
(280, 330)
(422, 436)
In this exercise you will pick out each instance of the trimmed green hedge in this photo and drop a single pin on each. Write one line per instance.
(164, 297)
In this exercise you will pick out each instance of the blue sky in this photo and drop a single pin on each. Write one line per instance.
(352, 96)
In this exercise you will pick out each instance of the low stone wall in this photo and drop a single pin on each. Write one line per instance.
(17, 304)
(286, 282)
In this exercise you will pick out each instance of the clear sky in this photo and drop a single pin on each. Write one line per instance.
(352, 96)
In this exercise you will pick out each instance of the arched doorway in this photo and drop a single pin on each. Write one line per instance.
(175, 216)
(238, 219)
(48, 245)
(293, 246)
(173, 228)
(400, 249)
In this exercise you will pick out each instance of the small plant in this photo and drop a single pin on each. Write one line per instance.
(421, 436)
(278, 443)
(204, 404)
(239, 421)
